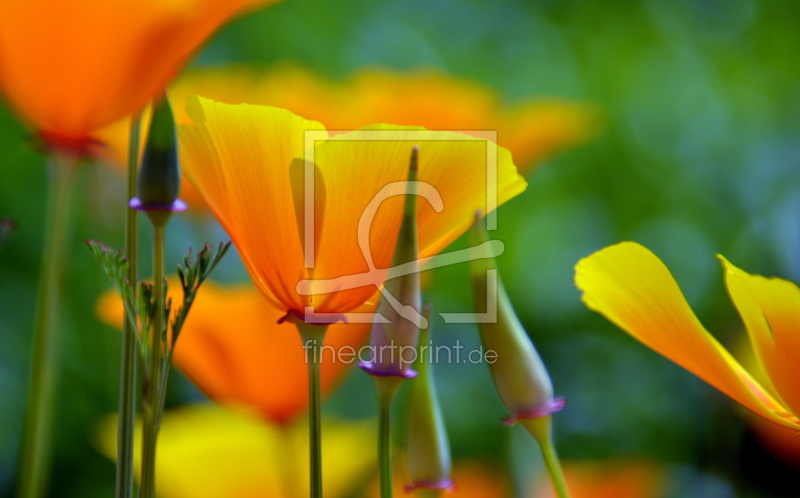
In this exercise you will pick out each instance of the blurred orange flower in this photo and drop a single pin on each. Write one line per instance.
(247, 163)
(71, 67)
(609, 479)
(631, 287)
(233, 349)
(532, 130)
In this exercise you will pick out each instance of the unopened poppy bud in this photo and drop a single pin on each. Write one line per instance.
(519, 375)
(428, 448)
(393, 344)
(160, 176)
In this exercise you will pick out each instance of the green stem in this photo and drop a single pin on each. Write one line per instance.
(541, 429)
(36, 442)
(385, 388)
(313, 337)
(151, 392)
(127, 375)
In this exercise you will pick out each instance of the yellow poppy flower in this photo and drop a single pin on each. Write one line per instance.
(70, 68)
(532, 130)
(206, 450)
(233, 349)
(246, 162)
(631, 287)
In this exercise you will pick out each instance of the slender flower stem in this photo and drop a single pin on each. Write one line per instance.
(151, 395)
(313, 336)
(36, 444)
(541, 429)
(385, 450)
(385, 388)
(127, 375)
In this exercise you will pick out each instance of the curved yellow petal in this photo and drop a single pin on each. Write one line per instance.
(238, 157)
(770, 309)
(631, 287)
(233, 349)
(204, 450)
(360, 169)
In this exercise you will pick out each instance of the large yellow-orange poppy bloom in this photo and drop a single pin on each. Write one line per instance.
(233, 349)
(71, 67)
(532, 130)
(631, 287)
(247, 163)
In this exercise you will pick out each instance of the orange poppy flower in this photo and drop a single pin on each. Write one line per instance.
(247, 163)
(631, 287)
(532, 130)
(233, 349)
(70, 68)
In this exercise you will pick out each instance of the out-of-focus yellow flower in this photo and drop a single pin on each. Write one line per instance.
(609, 479)
(247, 163)
(233, 349)
(71, 67)
(532, 130)
(631, 287)
(207, 451)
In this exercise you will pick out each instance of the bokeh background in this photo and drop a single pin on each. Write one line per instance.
(699, 155)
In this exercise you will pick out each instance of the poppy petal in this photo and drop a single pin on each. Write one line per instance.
(770, 309)
(360, 170)
(631, 287)
(246, 182)
(109, 58)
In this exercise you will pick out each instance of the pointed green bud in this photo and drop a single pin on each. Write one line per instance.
(160, 176)
(519, 374)
(428, 448)
(394, 343)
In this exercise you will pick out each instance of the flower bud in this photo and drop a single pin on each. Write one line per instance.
(394, 343)
(519, 375)
(428, 448)
(160, 177)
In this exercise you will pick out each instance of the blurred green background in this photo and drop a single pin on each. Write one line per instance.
(699, 156)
